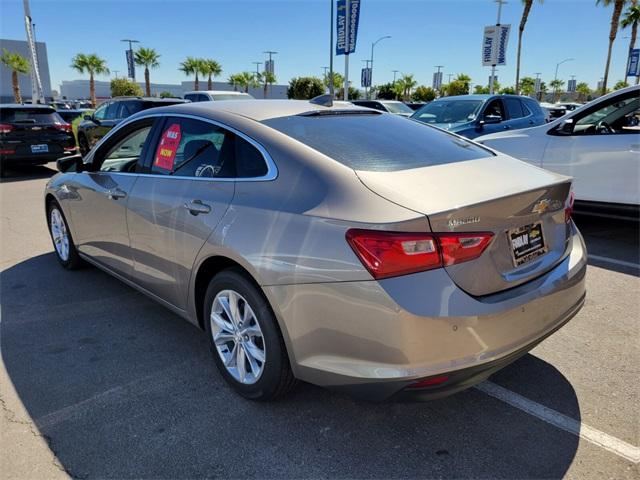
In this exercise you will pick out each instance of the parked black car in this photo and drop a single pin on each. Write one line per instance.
(112, 112)
(71, 114)
(33, 135)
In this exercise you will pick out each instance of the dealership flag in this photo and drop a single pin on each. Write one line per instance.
(341, 23)
(494, 45)
(633, 66)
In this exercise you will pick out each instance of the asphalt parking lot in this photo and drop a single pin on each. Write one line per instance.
(99, 381)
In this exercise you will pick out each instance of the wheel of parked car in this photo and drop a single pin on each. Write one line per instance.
(245, 340)
(83, 144)
(61, 236)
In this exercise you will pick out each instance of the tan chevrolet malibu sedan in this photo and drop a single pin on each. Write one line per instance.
(338, 245)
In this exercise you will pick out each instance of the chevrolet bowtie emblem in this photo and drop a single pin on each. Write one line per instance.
(542, 206)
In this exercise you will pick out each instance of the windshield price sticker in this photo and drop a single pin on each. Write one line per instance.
(166, 153)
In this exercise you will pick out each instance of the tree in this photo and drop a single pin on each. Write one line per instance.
(303, 88)
(631, 19)
(211, 69)
(481, 89)
(583, 91)
(406, 84)
(234, 79)
(620, 84)
(459, 86)
(192, 66)
(147, 58)
(527, 85)
(338, 81)
(508, 90)
(556, 85)
(93, 65)
(246, 80)
(423, 94)
(543, 90)
(523, 21)
(17, 64)
(166, 94)
(268, 78)
(386, 92)
(615, 19)
(123, 87)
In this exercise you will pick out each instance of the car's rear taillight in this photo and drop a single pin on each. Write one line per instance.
(65, 127)
(568, 209)
(5, 128)
(389, 254)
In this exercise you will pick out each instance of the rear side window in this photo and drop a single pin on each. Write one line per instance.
(129, 108)
(191, 96)
(514, 108)
(29, 115)
(377, 143)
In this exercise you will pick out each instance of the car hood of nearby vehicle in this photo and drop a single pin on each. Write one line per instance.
(451, 127)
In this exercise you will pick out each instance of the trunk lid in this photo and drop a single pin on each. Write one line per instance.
(496, 194)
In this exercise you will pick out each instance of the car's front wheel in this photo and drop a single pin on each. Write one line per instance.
(61, 236)
(245, 340)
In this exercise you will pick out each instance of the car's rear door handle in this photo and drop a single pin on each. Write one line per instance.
(116, 193)
(196, 207)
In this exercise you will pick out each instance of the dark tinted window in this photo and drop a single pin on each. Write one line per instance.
(191, 96)
(377, 142)
(494, 109)
(112, 111)
(131, 107)
(514, 108)
(203, 98)
(29, 115)
(249, 161)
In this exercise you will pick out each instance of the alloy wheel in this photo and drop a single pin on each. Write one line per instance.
(59, 234)
(237, 337)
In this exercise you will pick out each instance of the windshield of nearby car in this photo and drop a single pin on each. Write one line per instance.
(376, 142)
(397, 107)
(231, 96)
(29, 115)
(449, 111)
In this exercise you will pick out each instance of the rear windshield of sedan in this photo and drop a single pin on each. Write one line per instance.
(29, 115)
(377, 142)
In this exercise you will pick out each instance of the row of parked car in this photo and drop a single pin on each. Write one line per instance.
(598, 144)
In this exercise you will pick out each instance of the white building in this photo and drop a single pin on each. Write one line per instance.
(6, 86)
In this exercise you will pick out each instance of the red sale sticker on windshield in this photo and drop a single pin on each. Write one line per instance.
(168, 147)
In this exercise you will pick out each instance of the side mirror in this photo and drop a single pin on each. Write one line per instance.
(488, 119)
(72, 163)
(88, 117)
(566, 127)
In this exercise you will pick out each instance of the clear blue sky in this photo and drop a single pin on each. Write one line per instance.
(424, 33)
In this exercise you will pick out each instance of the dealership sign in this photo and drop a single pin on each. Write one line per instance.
(365, 77)
(633, 65)
(347, 25)
(131, 68)
(494, 45)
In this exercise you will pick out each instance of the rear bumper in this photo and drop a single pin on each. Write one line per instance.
(373, 339)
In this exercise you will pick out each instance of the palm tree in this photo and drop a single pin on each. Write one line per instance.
(527, 85)
(583, 91)
(147, 58)
(93, 65)
(615, 20)
(17, 64)
(192, 66)
(631, 19)
(406, 84)
(557, 85)
(245, 80)
(268, 78)
(523, 22)
(212, 69)
(234, 79)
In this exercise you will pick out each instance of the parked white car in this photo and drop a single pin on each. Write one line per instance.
(598, 144)
(216, 95)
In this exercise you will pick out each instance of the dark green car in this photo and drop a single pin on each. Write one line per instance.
(112, 112)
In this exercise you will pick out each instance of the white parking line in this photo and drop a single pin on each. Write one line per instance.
(614, 261)
(557, 419)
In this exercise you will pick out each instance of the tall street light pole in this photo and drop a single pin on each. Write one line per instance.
(555, 77)
(268, 67)
(366, 91)
(331, 88)
(257, 64)
(371, 62)
(394, 75)
(131, 69)
(492, 80)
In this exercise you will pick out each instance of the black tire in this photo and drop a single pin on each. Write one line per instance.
(83, 145)
(73, 260)
(276, 378)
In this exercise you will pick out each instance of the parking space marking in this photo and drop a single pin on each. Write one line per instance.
(559, 420)
(614, 261)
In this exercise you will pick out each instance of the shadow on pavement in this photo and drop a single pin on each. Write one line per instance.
(612, 239)
(123, 388)
(27, 172)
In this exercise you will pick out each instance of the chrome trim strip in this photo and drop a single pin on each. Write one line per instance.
(272, 169)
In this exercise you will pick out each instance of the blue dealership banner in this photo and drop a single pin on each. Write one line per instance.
(344, 46)
(633, 66)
